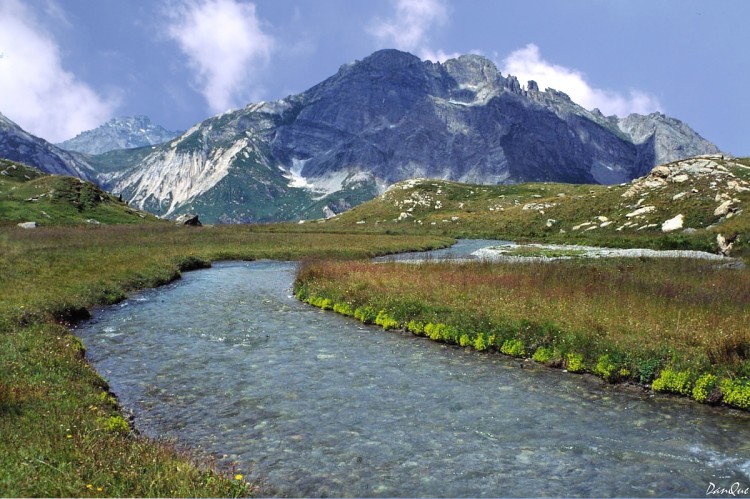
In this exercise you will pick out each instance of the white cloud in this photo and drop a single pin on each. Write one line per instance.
(35, 90)
(528, 64)
(225, 44)
(409, 27)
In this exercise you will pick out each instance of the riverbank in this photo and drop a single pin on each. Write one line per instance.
(61, 431)
(674, 326)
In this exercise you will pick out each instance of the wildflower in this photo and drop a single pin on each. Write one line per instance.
(238, 476)
(100, 489)
(89, 486)
(69, 435)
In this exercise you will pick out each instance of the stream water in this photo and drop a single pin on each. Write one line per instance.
(228, 363)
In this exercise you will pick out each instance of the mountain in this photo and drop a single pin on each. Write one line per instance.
(19, 145)
(387, 118)
(119, 133)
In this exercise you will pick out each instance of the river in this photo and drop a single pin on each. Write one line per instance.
(226, 362)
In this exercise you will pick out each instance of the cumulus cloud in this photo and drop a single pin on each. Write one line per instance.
(225, 45)
(527, 64)
(408, 28)
(35, 90)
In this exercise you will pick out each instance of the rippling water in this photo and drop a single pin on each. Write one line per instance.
(226, 361)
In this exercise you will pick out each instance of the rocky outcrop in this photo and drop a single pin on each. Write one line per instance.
(668, 139)
(119, 133)
(190, 220)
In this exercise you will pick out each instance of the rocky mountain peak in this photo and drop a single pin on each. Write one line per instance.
(389, 60)
(472, 70)
(119, 133)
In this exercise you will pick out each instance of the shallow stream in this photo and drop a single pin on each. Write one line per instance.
(227, 362)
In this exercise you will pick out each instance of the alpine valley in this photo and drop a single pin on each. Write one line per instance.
(378, 121)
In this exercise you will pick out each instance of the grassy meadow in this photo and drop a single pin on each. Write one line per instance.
(61, 431)
(678, 325)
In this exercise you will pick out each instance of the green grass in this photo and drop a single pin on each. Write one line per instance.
(623, 320)
(27, 195)
(61, 433)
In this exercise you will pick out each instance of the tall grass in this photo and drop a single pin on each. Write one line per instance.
(61, 432)
(627, 319)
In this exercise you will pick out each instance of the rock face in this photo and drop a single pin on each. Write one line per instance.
(388, 118)
(119, 133)
(19, 145)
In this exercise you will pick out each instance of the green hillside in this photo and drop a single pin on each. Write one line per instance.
(28, 195)
(709, 193)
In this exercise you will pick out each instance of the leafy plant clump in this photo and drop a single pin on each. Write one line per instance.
(514, 348)
(704, 387)
(543, 355)
(386, 321)
(574, 363)
(673, 382)
(736, 392)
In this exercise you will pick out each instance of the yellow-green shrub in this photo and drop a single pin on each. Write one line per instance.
(543, 355)
(415, 327)
(736, 392)
(480, 343)
(673, 382)
(575, 363)
(343, 309)
(605, 368)
(514, 348)
(704, 385)
(386, 321)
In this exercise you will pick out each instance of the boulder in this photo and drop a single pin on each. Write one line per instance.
(725, 243)
(188, 219)
(27, 225)
(723, 208)
(673, 223)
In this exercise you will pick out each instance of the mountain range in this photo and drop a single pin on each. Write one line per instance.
(386, 118)
(119, 133)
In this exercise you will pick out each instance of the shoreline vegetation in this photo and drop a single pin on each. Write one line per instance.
(62, 433)
(674, 326)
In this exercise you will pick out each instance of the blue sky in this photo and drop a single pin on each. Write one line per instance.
(70, 65)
